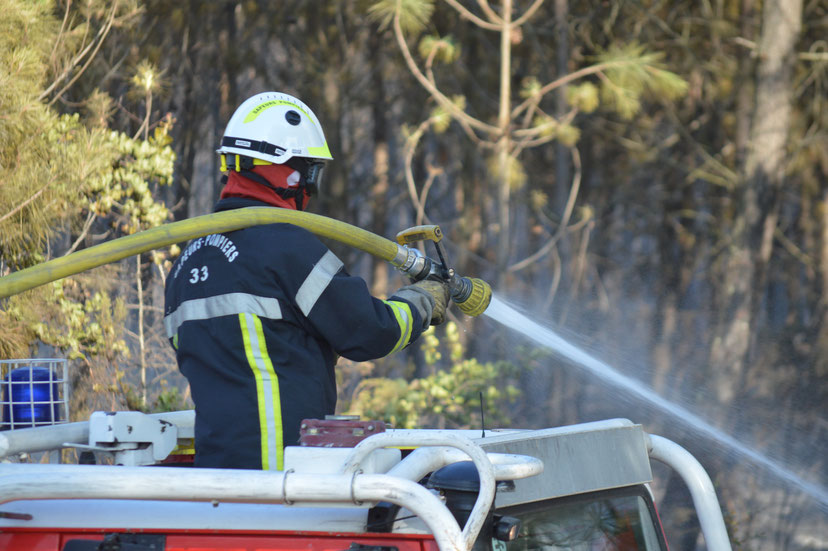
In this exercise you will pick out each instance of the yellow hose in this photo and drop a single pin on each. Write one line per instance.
(177, 232)
(162, 236)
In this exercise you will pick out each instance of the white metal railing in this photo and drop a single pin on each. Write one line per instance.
(24, 482)
(422, 464)
(701, 489)
(21, 482)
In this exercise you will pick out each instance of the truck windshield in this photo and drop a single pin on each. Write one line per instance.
(609, 520)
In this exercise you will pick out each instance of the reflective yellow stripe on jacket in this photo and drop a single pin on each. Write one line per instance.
(402, 312)
(267, 390)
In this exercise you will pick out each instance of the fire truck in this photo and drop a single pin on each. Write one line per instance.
(351, 485)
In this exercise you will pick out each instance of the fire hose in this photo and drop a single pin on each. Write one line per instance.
(471, 295)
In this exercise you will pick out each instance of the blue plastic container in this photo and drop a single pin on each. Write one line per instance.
(30, 398)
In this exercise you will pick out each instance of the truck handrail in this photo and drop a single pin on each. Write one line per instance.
(38, 481)
(424, 463)
(701, 489)
(25, 482)
(507, 466)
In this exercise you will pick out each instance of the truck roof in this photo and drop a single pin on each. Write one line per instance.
(325, 489)
(586, 457)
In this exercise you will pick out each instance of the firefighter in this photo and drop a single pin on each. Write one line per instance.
(258, 316)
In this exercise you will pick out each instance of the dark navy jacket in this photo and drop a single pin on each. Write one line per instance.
(257, 318)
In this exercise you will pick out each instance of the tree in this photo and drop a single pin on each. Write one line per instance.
(66, 176)
(756, 218)
(624, 74)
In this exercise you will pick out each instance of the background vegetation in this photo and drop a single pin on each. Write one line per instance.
(647, 177)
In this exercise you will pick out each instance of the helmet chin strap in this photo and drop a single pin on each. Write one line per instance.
(244, 165)
(297, 193)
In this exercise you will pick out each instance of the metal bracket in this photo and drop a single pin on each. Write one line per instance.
(133, 438)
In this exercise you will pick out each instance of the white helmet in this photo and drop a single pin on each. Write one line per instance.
(274, 127)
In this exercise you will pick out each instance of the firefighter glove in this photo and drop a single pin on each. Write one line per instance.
(430, 298)
(439, 291)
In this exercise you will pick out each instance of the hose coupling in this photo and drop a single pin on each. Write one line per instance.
(472, 295)
(414, 264)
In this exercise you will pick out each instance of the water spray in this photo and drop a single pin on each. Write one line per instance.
(505, 314)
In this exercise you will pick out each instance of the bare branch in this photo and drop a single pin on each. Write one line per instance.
(61, 33)
(529, 114)
(792, 248)
(566, 79)
(162, 274)
(145, 124)
(727, 174)
(430, 75)
(432, 175)
(529, 13)
(530, 143)
(69, 66)
(573, 190)
(410, 148)
(490, 13)
(754, 50)
(100, 40)
(580, 269)
(25, 203)
(86, 225)
(582, 252)
(532, 137)
(429, 64)
(813, 56)
(557, 271)
(84, 50)
(567, 215)
(534, 257)
(444, 102)
(491, 25)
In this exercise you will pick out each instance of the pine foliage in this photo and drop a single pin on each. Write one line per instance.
(46, 158)
(64, 175)
(414, 14)
(632, 73)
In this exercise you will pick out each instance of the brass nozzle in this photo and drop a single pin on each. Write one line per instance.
(475, 299)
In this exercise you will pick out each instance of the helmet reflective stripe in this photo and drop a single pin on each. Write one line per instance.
(320, 152)
(266, 105)
(275, 127)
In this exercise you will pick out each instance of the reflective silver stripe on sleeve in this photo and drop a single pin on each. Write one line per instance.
(317, 281)
(221, 305)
